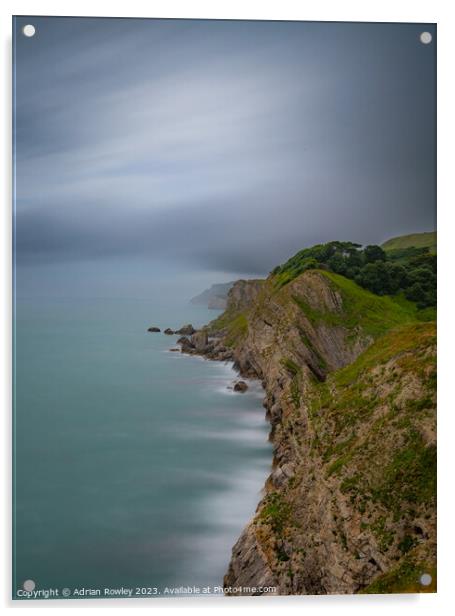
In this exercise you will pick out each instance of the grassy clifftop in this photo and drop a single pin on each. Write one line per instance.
(413, 240)
(361, 308)
(356, 309)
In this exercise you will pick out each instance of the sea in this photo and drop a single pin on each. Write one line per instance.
(135, 467)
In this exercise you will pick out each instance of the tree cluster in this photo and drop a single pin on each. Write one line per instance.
(411, 271)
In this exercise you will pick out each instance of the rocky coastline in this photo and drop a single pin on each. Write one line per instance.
(349, 505)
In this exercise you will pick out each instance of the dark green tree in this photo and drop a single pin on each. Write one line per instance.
(373, 253)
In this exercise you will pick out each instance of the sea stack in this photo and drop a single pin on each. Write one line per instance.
(186, 330)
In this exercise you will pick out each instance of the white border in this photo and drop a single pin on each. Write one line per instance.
(430, 11)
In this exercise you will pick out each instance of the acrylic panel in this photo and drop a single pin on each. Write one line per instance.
(224, 308)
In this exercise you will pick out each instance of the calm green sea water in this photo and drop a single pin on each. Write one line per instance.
(134, 466)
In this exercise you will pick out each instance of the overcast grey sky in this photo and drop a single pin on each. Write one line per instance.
(219, 147)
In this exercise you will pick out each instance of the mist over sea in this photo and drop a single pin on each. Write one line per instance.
(134, 466)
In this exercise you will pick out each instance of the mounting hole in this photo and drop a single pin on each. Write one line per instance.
(426, 38)
(29, 585)
(29, 30)
(425, 579)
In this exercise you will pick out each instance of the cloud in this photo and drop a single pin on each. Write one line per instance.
(223, 145)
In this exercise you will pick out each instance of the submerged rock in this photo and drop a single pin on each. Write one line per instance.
(240, 386)
(154, 329)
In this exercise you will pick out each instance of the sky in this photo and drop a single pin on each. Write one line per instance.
(201, 151)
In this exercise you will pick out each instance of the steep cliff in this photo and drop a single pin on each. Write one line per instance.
(215, 298)
(350, 394)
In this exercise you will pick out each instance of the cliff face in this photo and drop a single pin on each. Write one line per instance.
(214, 298)
(350, 394)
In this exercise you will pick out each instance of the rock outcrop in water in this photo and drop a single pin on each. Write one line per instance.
(349, 382)
(186, 330)
(240, 386)
(200, 340)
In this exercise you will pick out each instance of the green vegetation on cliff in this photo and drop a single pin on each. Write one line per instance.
(404, 578)
(361, 308)
(413, 240)
(374, 425)
(350, 377)
(410, 270)
(233, 323)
